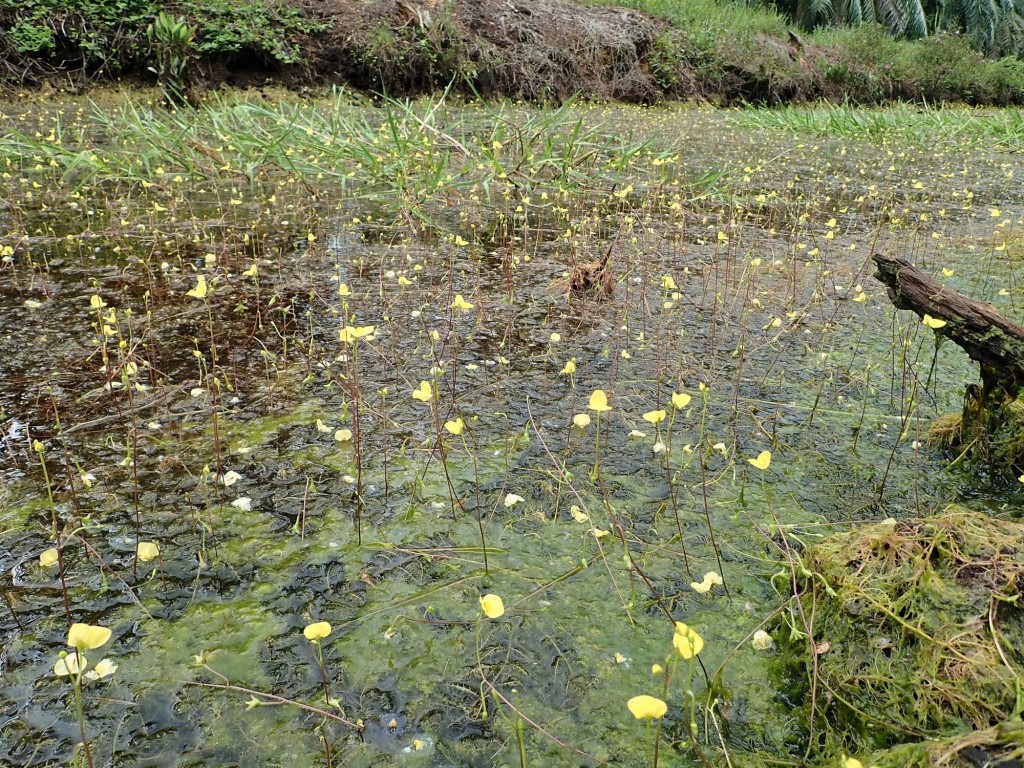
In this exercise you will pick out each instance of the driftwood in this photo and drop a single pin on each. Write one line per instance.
(985, 335)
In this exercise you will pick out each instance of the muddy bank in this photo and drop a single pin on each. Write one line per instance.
(541, 50)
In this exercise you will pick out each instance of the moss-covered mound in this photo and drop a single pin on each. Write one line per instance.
(918, 637)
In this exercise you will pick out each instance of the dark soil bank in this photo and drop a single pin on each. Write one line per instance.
(541, 50)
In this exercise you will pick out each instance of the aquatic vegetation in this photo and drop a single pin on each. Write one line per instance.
(306, 391)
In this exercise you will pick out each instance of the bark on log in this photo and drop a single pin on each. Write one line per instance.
(985, 335)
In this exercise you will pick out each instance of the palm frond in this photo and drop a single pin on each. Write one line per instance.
(916, 24)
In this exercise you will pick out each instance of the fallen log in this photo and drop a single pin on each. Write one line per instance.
(991, 424)
(996, 343)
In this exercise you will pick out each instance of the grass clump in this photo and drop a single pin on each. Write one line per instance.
(916, 633)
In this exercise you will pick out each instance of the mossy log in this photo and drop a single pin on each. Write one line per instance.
(986, 336)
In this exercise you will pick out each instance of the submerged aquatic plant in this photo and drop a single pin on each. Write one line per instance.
(316, 633)
(73, 665)
(598, 403)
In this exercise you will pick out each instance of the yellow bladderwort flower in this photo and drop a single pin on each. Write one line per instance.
(668, 283)
(148, 550)
(423, 392)
(343, 290)
(933, 322)
(680, 400)
(647, 707)
(342, 435)
(200, 291)
(493, 606)
(47, 558)
(70, 664)
(686, 641)
(460, 242)
(350, 334)
(599, 401)
(85, 637)
(317, 631)
(455, 427)
(461, 304)
(711, 578)
(105, 668)
(582, 421)
(763, 459)
(655, 417)
(570, 367)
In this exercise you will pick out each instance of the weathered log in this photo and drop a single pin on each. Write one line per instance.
(985, 335)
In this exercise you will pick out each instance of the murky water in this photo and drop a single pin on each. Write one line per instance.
(289, 477)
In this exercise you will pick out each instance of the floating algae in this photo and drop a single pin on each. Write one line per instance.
(916, 632)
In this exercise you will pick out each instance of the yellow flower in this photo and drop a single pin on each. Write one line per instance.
(933, 322)
(582, 421)
(317, 631)
(104, 668)
(655, 417)
(657, 669)
(461, 303)
(349, 334)
(680, 400)
(71, 664)
(599, 401)
(647, 707)
(199, 292)
(47, 558)
(686, 641)
(87, 636)
(493, 606)
(343, 290)
(668, 283)
(343, 435)
(459, 241)
(96, 301)
(423, 392)
(455, 427)
(852, 762)
(147, 550)
(570, 367)
(710, 579)
(764, 458)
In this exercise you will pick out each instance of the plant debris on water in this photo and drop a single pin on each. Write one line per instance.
(461, 434)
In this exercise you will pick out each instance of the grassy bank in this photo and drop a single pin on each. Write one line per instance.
(732, 51)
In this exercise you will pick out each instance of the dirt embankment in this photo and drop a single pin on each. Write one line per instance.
(530, 49)
(539, 50)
